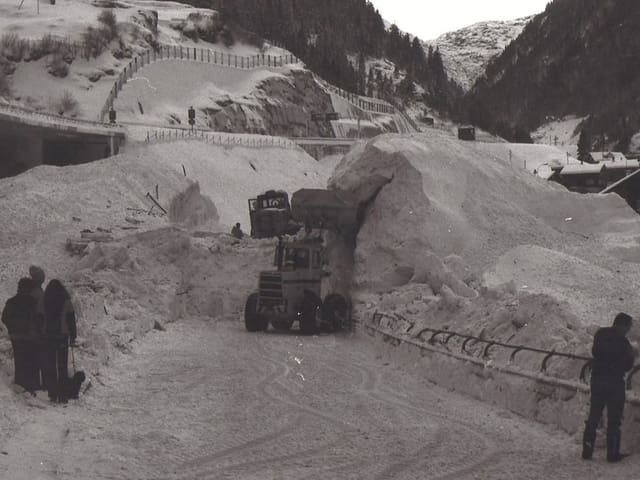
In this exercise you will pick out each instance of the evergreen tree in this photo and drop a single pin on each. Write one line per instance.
(584, 145)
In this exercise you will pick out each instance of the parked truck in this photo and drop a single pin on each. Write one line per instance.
(293, 290)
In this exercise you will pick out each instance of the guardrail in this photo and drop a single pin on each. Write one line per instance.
(58, 120)
(369, 104)
(56, 43)
(442, 338)
(195, 54)
(215, 138)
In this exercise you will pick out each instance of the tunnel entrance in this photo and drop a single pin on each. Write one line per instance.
(25, 146)
(73, 152)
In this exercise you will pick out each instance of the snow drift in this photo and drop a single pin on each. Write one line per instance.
(455, 233)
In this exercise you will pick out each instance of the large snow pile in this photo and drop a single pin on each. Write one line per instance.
(455, 235)
(144, 268)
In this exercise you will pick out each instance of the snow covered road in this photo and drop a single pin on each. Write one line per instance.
(211, 401)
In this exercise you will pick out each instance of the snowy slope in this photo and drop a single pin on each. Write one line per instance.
(89, 80)
(467, 51)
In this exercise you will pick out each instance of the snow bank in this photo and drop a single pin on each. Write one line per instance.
(457, 237)
(150, 267)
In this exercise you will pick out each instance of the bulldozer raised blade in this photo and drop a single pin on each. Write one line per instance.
(270, 215)
(293, 290)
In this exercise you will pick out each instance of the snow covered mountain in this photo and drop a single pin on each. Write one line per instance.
(467, 51)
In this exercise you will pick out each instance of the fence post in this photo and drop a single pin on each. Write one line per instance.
(208, 56)
(215, 57)
(242, 60)
(229, 59)
(180, 52)
(201, 55)
(195, 56)
(148, 57)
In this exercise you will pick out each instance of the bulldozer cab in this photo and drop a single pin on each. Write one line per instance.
(270, 214)
(297, 256)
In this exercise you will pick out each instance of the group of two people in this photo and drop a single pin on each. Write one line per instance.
(42, 326)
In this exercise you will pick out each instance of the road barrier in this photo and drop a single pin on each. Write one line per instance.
(441, 338)
(368, 104)
(195, 54)
(216, 138)
(60, 122)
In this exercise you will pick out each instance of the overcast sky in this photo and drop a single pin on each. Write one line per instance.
(428, 19)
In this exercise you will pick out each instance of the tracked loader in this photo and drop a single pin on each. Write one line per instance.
(293, 290)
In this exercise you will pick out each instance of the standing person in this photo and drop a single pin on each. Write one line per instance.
(20, 317)
(59, 329)
(612, 358)
(37, 275)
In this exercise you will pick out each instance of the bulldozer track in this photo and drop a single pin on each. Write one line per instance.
(369, 381)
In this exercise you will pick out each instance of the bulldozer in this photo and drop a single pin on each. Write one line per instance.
(292, 291)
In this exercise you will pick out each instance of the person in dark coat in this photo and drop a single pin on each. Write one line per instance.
(613, 356)
(236, 231)
(59, 330)
(37, 275)
(20, 318)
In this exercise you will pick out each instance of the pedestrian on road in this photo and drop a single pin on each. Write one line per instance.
(236, 231)
(613, 356)
(20, 318)
(37, 275)
(59, 330)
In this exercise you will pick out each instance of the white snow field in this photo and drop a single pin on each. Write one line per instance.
(561, 133)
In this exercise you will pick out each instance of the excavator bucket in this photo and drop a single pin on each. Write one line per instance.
(326, 209)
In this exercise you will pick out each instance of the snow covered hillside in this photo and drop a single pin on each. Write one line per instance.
(467, 51)
(66, 58)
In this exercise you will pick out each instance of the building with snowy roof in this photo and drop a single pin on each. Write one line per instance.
(583, 177)
(597, 157)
